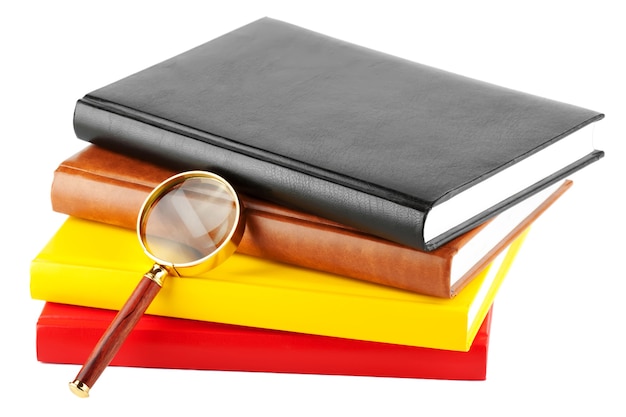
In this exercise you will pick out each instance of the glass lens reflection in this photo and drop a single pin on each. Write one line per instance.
(190, 221)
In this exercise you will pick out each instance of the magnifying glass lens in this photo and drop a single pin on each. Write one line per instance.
(189, 221)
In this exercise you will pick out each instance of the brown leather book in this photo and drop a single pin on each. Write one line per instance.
(101, 185)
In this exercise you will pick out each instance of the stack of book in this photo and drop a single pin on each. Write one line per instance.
(384, 203)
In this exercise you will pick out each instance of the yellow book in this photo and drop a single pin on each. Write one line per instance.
(97, 265)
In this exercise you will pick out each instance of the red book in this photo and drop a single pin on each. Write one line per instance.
(66, 334)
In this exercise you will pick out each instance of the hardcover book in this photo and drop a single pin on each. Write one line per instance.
(393, 148)
(66, 334)
(92, 264)
(102, 185)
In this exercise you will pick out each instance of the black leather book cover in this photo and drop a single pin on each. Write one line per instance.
(328, 127)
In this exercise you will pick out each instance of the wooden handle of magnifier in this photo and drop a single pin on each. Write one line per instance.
(112, 339)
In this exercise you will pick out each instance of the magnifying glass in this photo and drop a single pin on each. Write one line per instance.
(188, 224)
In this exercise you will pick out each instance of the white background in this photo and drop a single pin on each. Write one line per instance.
(557, 336)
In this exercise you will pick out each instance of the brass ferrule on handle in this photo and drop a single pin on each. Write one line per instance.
(157, 274)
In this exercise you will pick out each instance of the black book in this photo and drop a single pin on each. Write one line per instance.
(397, 149)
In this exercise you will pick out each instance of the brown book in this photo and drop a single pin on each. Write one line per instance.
(101, 185)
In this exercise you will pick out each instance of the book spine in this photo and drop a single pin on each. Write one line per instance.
(96, 265)
(97, 123)
(66, 334)
(277, 234)
(287, 309)
(85, 195)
